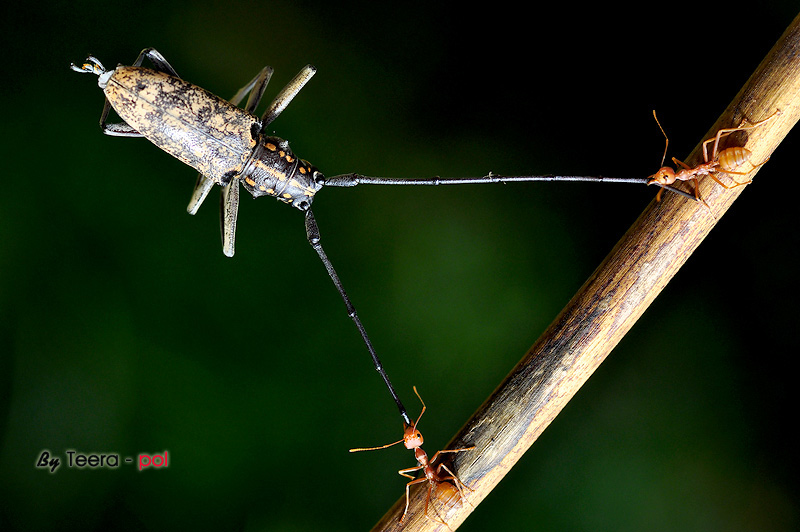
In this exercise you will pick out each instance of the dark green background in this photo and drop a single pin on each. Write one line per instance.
(124, 329)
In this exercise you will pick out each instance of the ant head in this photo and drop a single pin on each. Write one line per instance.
(412, 438)
(664, 176)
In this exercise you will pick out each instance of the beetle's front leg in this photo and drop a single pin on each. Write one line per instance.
(118, 129)
(158, 60)
(121, 129)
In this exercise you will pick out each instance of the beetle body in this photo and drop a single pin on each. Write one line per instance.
(186, 121)
(212, 135)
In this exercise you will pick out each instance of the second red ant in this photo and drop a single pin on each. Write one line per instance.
(441, 478)
(727, 161)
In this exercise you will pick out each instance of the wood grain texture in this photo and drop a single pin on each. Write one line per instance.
(610, 301)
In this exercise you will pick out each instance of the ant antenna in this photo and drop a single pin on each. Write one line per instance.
(666, 144)
(412, 438)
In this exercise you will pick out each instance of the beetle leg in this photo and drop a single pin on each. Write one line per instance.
(229, 211)
(201, 189)
(255, 87)
(120, 129)
(287, 94)
(157, 59)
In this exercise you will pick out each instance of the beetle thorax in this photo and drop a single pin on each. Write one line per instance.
(273, 170)
(102, 79)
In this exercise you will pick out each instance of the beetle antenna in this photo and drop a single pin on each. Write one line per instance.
(93, 66)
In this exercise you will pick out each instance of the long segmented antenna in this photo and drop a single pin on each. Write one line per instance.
(412, 438)
(94, 66)
(313, 235)
(351, 180)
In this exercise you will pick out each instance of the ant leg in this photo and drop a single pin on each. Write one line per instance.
(447, 469)
(451, 451)
(745, 124)
(681, 163)
(287, 94)
(405, 472)
(696, 188)
(733, 172)
(721, 133)
(762, 163)
(408, 497)
(428, 502)
(735, 183)
(457, 483)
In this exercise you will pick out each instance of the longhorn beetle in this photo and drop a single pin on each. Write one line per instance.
(229, 146)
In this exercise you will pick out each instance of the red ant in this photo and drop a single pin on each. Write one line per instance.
(438, 477)
(726, 161)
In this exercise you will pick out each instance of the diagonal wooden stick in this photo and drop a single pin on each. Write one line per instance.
(610, 302)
